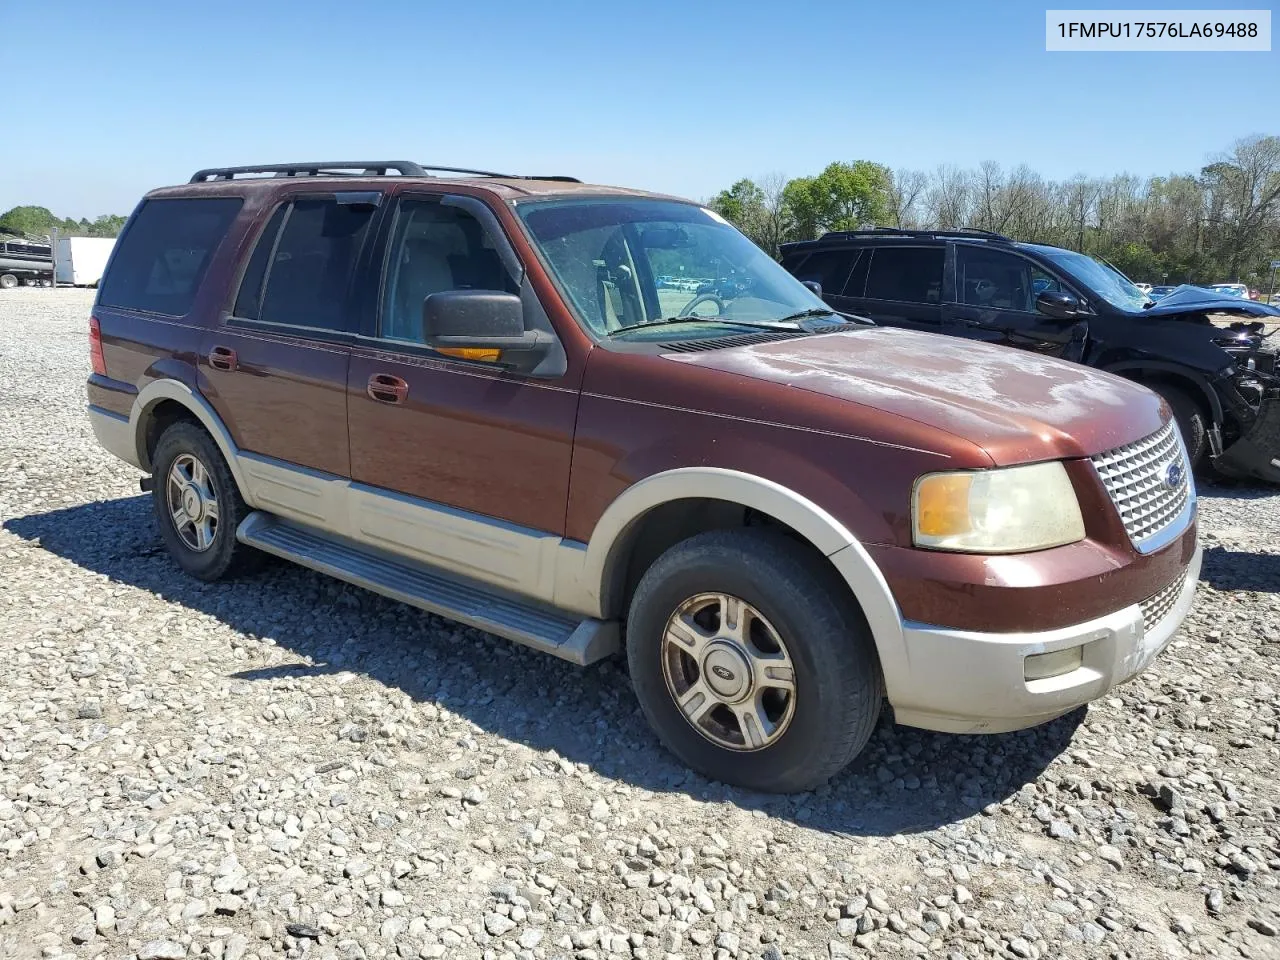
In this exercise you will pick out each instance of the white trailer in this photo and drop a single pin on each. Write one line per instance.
(81, 261)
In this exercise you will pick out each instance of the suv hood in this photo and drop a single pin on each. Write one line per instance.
(1188, 299)
(1017, 406)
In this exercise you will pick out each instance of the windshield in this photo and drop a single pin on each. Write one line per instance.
(1107, 282)
(627, 262)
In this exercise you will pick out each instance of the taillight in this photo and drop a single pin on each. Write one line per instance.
(95, 348)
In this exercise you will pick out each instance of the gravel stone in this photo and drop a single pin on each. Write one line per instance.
(283, 765)
(162, 950)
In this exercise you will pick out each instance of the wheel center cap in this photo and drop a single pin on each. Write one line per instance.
(727, 672)
(191, 503)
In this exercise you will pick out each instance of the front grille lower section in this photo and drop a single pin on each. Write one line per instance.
(1155, 609)
(1149, 482)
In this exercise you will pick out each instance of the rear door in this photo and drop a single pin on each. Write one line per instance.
(899, 285)
(995, 294)
(276, 364)
(831, 268)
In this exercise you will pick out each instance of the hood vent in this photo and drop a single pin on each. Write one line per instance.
(740, 340)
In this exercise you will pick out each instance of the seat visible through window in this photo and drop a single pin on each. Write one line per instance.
(436, 248)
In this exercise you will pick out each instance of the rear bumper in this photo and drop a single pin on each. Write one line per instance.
(970, 682)
(115, 434)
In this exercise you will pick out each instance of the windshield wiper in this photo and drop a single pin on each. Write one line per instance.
(811, 312)
(665, 321)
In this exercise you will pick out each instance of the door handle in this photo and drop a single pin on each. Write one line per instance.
(386, 388)
(222, 358)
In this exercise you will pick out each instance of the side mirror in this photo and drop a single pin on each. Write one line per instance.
(813, 285)
(482, 325)
(1056, 304)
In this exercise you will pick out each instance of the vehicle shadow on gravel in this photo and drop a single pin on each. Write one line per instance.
(1241, 570)
(905, 781)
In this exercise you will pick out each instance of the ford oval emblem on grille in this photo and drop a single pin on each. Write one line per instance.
(1173, 475)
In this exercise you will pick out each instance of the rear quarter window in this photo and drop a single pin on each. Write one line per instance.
(160, 261)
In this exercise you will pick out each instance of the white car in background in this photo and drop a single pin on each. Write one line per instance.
(1144, 287)
(1231, 290)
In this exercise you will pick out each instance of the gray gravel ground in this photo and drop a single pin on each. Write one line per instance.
(287, 766)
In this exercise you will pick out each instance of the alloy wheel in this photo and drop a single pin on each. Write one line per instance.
(193, 502)
(729, 671)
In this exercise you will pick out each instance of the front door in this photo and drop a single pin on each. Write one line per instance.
(443, 443)
(995, 301)
(276, 367)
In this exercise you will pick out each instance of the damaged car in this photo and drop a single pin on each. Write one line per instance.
(1209, 355)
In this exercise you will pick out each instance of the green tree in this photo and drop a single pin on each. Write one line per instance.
(741, 204)
(844, 196)
(107, 225)
(28, 220)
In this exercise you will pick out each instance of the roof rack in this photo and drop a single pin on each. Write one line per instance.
(969, 232)
(355, 168)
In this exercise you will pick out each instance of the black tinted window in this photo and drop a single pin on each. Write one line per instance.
(911, 274)
(831, 268)
(250, 296)
(991, 279)
(309, 278)
(159, 262)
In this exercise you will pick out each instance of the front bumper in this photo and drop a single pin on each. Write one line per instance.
(1257, 453)
(970, 682)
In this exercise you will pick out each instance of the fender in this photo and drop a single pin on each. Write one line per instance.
(167, 389)
(1163, 366)
(597, 562)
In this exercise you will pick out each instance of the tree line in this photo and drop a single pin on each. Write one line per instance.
(39, 222)
(1220, 224)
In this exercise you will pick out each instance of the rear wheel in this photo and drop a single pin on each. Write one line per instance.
(1192, 421)
(198, 505)
(751, 662)
(8, 281)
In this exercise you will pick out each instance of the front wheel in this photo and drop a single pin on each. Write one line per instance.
(751, 662)
(8, 281)
(1192, 422)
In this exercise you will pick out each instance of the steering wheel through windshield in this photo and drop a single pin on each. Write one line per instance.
(688, 308)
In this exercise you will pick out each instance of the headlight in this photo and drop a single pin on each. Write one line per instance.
(1006, 510)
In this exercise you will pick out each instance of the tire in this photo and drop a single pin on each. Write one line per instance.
(8, 281)
(184, 444)
(838, 688)
(1191, 421)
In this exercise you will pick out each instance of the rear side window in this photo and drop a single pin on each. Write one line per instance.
(831, 268)
(158, 264)
(250, 296)
(301, 270)
(909, 274)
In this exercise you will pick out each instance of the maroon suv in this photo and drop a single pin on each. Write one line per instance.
(587, 419)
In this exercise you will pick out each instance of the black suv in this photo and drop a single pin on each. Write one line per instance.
(1220, 381)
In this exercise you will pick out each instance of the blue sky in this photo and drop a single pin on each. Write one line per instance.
(678, 97)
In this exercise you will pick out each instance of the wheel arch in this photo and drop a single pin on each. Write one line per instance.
(1192, 382)
(160, 402)
(607, 557)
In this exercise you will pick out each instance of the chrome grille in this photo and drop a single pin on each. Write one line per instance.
(1136, 476)
(1155, 609)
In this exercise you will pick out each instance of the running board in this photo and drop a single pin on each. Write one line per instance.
(579, 641)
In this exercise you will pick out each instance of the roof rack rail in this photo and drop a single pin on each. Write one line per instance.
(973, 232)
(354, 168)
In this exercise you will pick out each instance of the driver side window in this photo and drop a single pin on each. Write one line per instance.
(435, 248)
(993, 279)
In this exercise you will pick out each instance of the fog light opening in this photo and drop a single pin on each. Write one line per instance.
(1042, 666)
